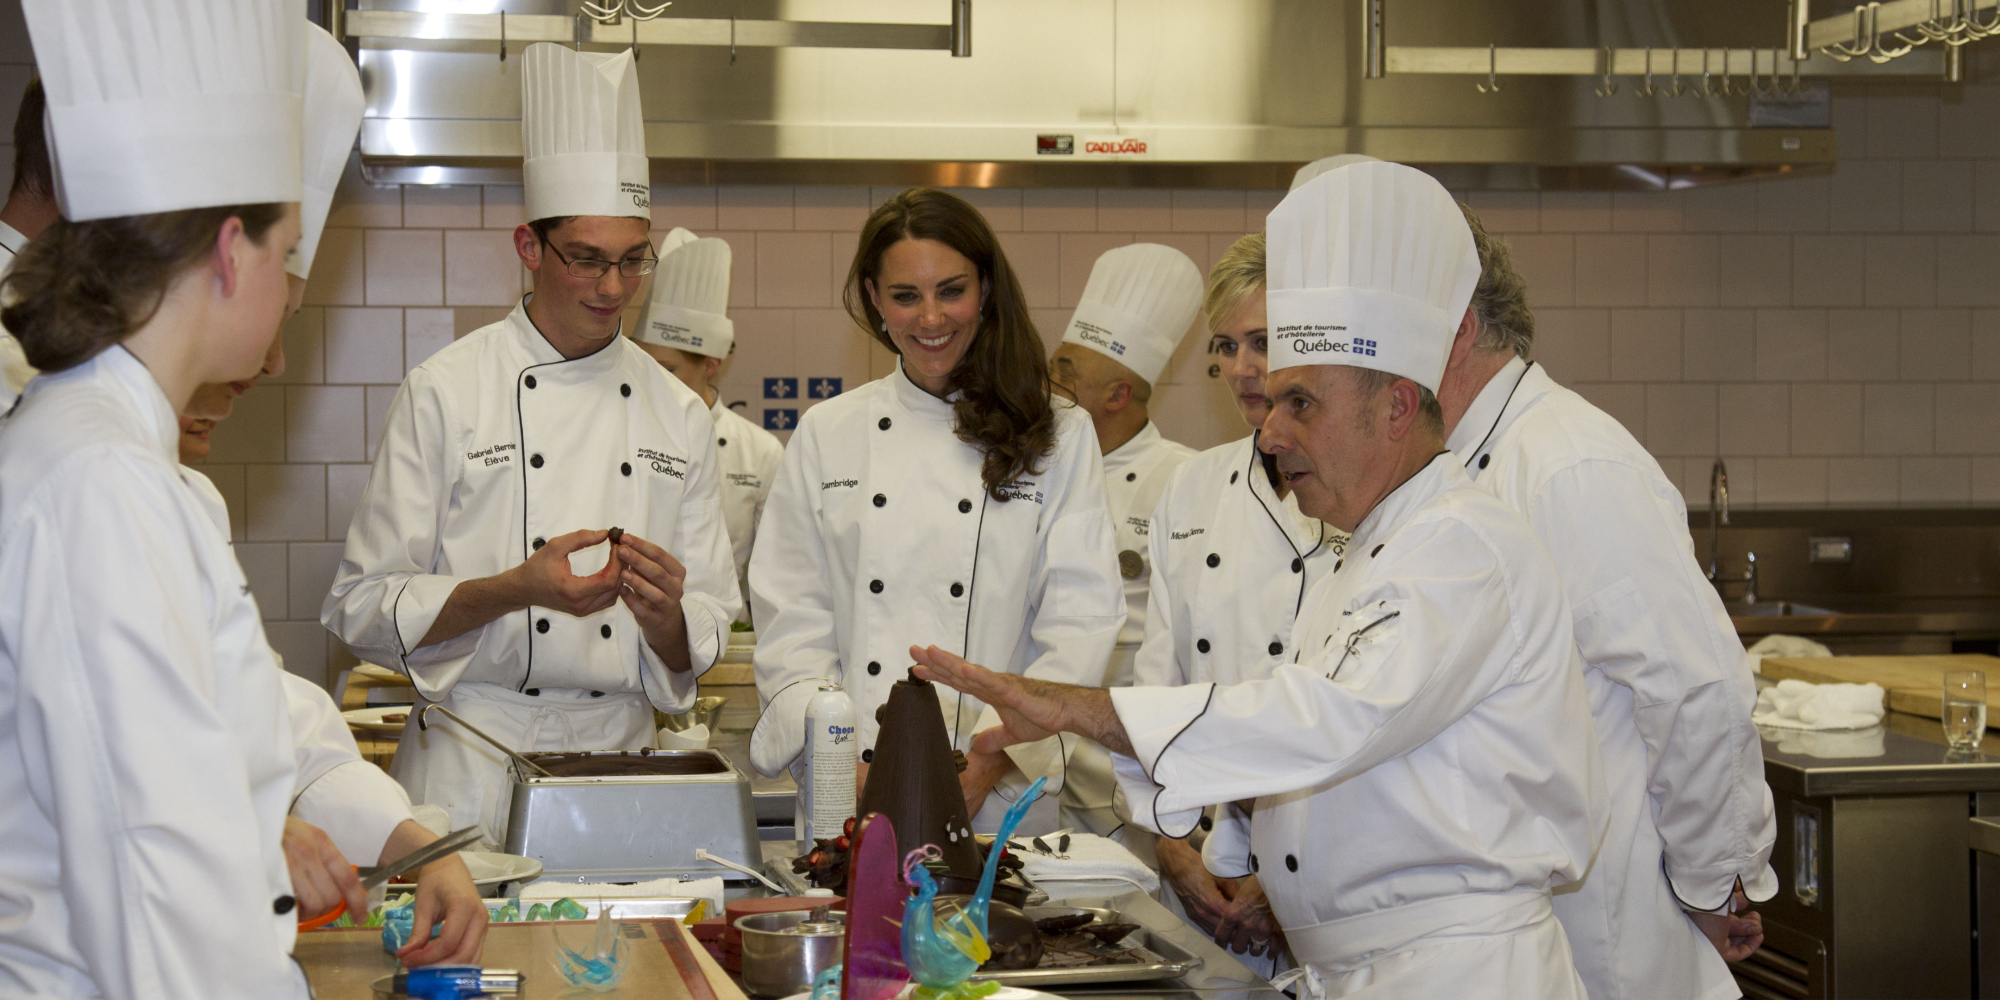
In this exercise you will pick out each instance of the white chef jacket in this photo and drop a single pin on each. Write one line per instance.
(1420, 775)
(354, 802)
(15, 371)
(880, 535)
(1683, 765)
(749, 457)
(492, 446)
(150, 755)
(1136, 474)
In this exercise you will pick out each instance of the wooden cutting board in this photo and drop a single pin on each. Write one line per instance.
(1915, 684)
(665, 962)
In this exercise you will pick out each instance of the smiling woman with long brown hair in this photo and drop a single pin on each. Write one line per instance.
(950, 502)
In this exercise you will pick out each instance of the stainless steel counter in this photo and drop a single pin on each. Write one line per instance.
(1906, 755)
(1873, 863)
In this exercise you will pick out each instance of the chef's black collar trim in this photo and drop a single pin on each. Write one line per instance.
(608, 341)
(1270, 463)
(1160, 789)
(1502, 415)
(1399, 488)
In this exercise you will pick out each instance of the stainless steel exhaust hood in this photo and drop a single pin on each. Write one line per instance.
(1184, 93)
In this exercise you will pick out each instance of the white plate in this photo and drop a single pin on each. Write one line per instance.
(490, 870)
(370, 719)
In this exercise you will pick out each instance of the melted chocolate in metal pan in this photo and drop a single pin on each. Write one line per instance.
(637, 763)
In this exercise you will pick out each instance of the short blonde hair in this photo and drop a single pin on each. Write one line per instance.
(1237, 276)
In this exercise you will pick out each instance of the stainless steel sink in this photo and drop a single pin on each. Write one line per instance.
(1776, 609)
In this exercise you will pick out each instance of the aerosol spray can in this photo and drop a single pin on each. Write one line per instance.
(830, 754)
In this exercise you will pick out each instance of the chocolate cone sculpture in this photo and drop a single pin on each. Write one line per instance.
(914, 782)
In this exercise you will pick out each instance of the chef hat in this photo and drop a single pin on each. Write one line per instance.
(333, 105)
(690, 297)
(675, 240)
(582, 137)
(165, 105)
(1371, 265)
(1326, 163)
(1139, 301)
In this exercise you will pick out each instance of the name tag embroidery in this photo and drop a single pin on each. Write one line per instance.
(491, 454)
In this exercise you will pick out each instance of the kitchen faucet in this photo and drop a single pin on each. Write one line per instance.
(1718, 515)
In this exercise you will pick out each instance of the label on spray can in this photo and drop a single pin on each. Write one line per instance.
(830, 755)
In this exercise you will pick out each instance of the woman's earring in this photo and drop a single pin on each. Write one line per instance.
(885, 325)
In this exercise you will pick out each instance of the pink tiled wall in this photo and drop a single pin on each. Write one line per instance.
(1836, 338)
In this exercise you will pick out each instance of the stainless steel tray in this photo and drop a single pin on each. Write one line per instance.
(1159, 958)
(622, 907)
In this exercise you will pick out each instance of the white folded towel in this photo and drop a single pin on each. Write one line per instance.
(1781, 645)
(1799, 705)
(1091, 859)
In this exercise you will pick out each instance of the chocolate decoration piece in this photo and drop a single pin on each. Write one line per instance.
(616, 534)
(914, 783)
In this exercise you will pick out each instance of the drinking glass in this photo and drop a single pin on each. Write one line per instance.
(1964, 708)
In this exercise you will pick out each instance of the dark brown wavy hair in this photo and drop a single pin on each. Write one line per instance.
(81, 287)
(1003, 406)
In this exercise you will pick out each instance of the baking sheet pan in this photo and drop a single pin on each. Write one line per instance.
(1159, 958)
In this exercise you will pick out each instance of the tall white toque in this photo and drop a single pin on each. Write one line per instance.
(1139, 302)
(583, 139)
(333, 106)
(1370, 265)
(1326, 163)
(690, 301)
(165, 105)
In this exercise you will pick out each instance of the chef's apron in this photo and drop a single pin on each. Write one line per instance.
(472, 780)
(1499, 945)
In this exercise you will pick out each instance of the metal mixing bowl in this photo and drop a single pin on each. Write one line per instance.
(707, 711)
(780, 958)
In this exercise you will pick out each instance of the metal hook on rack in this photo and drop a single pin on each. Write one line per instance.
(1794, 90)
(1877, 53)
(1676, 89)
(503, 36)
(645, 13)
(1646, 89)
(1492, 84)
(1704, 90)
(1760, 89)
(601, 14)
(1853, 48)
(1982, 29)
(1607, 88)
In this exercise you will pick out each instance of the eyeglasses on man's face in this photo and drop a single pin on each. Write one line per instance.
(584, 267)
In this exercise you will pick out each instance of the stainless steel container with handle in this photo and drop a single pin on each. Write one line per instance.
(784, 952)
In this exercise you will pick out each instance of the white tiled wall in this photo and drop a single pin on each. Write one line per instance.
(1835, 338)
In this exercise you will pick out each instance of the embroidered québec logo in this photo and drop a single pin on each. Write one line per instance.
(1021, 489)
(664, 464)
